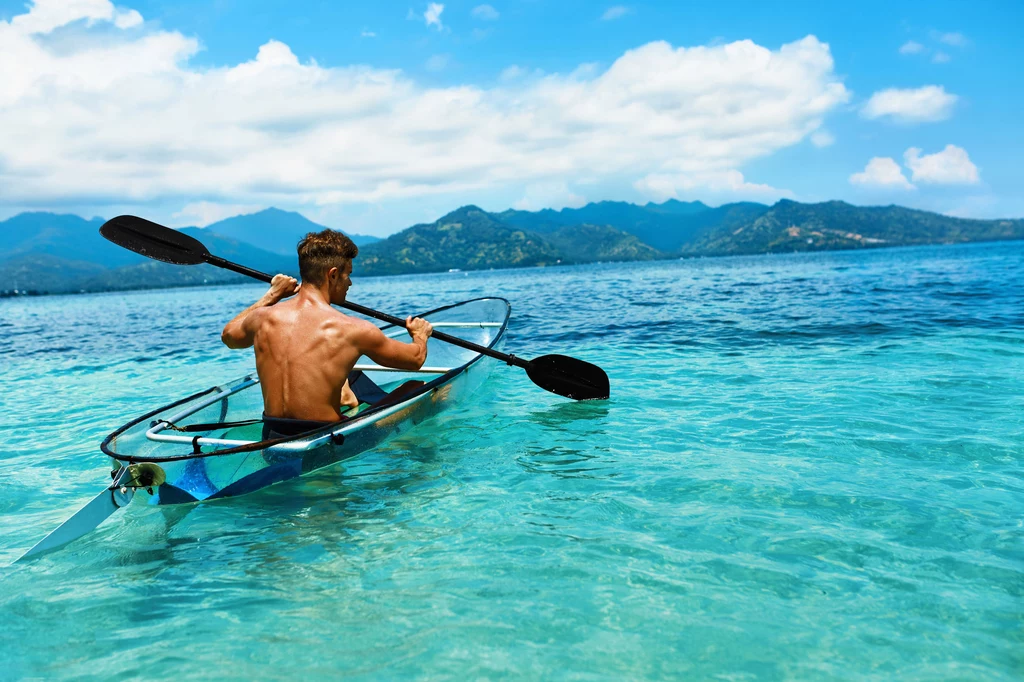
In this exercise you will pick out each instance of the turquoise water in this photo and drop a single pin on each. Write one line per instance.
(810, 468)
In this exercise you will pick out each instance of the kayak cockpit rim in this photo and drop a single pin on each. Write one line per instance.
(316, 437)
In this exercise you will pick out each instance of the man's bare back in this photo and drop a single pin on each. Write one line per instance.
(305, 349)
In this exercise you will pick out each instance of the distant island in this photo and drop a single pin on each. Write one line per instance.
(46, 253)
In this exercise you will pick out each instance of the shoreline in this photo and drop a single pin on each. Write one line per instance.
(7, 294)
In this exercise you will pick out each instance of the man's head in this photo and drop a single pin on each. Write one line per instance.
(325, 258)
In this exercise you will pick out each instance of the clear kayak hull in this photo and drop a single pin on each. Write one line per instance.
(208, 446)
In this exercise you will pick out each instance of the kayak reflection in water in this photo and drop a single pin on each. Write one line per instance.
(305, 349)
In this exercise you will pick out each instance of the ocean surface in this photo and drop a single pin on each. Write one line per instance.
(810, 468)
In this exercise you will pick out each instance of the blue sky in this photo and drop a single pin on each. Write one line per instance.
(374, 116)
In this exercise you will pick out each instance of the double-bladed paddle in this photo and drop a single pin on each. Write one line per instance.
(559, 374)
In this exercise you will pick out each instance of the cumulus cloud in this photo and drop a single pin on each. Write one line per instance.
(911, 47)
(938, 56)
(365, 33)
(512, 73)
(951, 166)
(615, 12)
(662, 186)
(954, 38)
(822, 138)
(882, 171)
(437, 62)
(129, 120)
(47, 15)
(485, 13)
(433, 15)
(929, 103)
(127, 19)
(555, 195)
(202, 213)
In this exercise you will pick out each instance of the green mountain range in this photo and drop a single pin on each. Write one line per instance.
(65, 253)
(466, 239)
(472, 239)
(666, 227)
(791, 226)
(154, 274)
(52, 253)
(61, 238)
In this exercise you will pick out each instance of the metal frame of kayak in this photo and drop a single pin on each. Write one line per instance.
(276, 460)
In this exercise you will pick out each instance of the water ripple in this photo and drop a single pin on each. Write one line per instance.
(810, 468)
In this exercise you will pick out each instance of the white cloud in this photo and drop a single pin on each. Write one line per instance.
(615, 12)
(954, 38)
(512, 73)
(437, 62)
(662, 186)
(46, 15)
(128, 120)
(555, 195)
(929, 103)
(127, 19)
(433, 15)
(937, 56)
(586, 70)
(485, 13)
(33, 67)
(202, 213)
(367, 34)
(822, 138)
(882, 171)
(911, 47)
(951, 166)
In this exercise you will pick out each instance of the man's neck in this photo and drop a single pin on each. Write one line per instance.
(314, 294)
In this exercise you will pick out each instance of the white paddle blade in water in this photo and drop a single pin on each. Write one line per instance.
(83, 521)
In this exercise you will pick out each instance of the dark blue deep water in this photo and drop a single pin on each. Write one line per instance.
(810, 468)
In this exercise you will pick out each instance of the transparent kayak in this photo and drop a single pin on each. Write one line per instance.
(209, 445)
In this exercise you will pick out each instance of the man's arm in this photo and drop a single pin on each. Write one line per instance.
(393, 353)
(241, 331)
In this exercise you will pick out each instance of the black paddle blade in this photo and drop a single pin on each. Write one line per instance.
(154, 241)
(569, 377)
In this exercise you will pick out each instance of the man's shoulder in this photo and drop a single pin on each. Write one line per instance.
(335, 320)
(354, 324)
(278, 311)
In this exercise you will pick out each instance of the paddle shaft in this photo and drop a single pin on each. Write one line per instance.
(370, 312)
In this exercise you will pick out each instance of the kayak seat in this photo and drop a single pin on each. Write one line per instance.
(250, 432)
(282, 427)
(365, 389)
(398, 394)
(369, 393)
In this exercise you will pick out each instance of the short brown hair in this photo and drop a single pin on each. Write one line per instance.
(321, 251)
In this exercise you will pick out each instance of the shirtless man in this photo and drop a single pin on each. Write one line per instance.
(305, 349)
